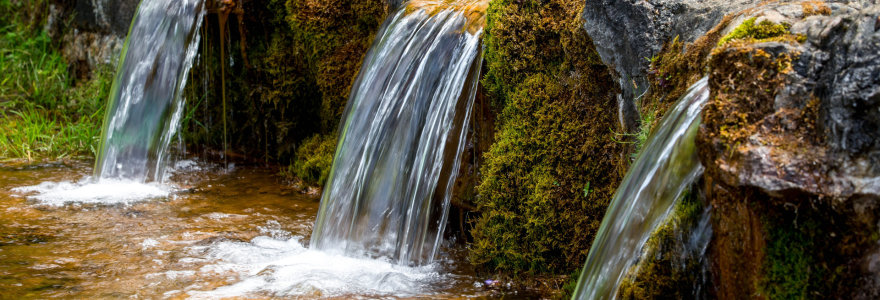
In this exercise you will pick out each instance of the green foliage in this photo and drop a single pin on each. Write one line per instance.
(570, 285)
(49, 117)
(749, 30)
(548, 177)
(313, 160)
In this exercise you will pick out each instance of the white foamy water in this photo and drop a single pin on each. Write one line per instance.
(285, 268)
(86, 191)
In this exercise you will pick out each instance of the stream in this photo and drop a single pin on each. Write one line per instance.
(215, 233)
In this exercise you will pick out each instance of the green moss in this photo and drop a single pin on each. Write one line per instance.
(334, 36)
(748, 30)
(669, 267)
(552, 142)
(734, 110)
(789, 264)
(313, 159)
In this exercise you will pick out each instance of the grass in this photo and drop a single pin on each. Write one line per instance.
(44, 115)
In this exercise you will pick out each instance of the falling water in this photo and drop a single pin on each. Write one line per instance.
(145, 104)
(400, 142)
(667, 165)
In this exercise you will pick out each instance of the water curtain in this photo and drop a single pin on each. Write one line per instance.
(402, 135)
(665, 168)
(145, 105)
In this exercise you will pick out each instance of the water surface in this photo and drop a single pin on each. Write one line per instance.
(241, 233)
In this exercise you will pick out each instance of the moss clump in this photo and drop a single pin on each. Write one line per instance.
(671, 73)
(748, 30)
(789, 266)
(313, 159)
(671, 267)
(547, 179)
(734, 110)
(813, 8)
(812, 253)
(334, 35)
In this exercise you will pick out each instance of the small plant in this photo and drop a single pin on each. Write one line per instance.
(587, 189)
(313, 159)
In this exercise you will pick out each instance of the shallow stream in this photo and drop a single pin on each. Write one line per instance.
(209, 233)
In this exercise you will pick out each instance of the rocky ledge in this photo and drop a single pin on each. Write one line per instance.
(790, 138)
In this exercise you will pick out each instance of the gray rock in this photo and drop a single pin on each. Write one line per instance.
(839, 63)
(627, 33)
(104, 16)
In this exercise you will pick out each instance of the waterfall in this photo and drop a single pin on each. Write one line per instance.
(667, 165)
(145, 105)
(402, 135)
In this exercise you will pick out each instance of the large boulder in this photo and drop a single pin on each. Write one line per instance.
(790, 144)
(628, 33)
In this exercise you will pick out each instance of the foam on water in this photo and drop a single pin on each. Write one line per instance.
(284, 267)
(87, 191)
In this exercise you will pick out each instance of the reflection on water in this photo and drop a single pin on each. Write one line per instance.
(239, 233)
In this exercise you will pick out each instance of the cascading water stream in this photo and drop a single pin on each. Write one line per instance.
(145, 105)
(400, 142)
(666, 167)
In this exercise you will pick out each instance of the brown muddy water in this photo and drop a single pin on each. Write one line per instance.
(237, 233)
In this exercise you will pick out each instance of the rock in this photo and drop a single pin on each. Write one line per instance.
(92, 32)
(838, 64)
(104, 16)
(790, 136)
(91, 50)
(628, 33)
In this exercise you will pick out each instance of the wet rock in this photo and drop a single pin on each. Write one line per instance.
(791, 136)
(628, 33)
(834, 152)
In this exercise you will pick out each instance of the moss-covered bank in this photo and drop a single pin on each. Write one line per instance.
(673, 262)
(547, 179)
(288, 73)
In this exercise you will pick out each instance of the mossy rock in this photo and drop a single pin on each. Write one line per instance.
(547, 180)
(289, 71)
